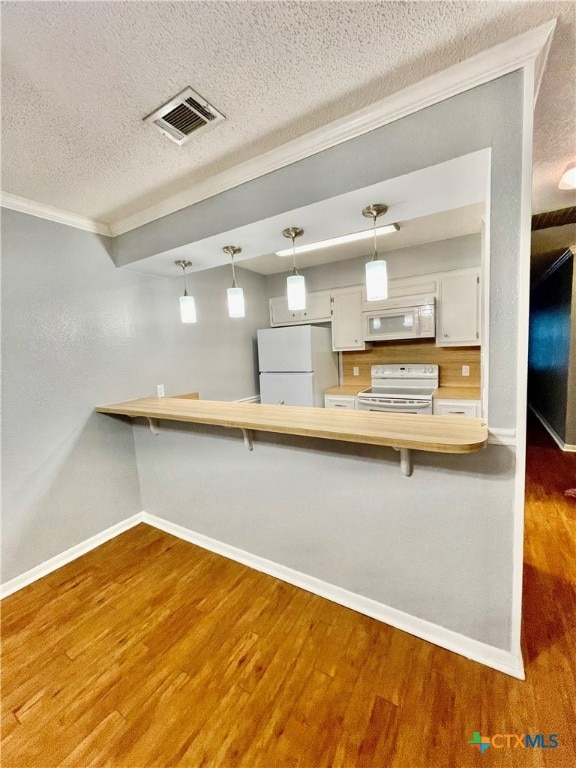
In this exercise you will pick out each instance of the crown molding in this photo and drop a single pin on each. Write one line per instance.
(49, 212)
(528, 49)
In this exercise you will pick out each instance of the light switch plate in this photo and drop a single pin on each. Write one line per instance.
(465, 370)
(355, 371)
(160, 390)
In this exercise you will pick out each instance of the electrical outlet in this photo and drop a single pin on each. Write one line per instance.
(356, 371)
(160, 390)
(465, 370)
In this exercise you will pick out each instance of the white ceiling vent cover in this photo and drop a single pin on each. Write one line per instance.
(180, 117)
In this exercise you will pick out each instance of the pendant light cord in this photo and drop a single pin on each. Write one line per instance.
(375, 255)
(294, 253)
(233, 273)
(184, 273)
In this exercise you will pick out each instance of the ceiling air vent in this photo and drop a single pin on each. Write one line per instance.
(186, 113)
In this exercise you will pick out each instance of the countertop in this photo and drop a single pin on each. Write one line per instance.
(346, 389)
(439, 434)
(458, 393)
(447, 393)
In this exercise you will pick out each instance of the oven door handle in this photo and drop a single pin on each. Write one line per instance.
(394, 406)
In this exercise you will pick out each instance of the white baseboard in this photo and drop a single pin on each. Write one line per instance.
(498, 436)
(253, 399)
(496, 658)
(503, 661)
(568, 447)
(19, 582)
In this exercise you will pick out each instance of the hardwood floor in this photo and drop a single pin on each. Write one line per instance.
(152, 652)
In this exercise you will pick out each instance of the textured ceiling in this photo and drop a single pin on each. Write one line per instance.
(78, 77)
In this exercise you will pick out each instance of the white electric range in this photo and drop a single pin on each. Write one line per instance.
(404, 388)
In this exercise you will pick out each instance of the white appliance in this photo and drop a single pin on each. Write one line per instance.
(296, 365)
(404, 388)
(408, 318)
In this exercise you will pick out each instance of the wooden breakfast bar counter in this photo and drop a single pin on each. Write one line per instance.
(404, 432)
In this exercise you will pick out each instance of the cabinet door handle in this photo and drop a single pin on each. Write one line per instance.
(445, 335)
(458, 412)
(339, 405)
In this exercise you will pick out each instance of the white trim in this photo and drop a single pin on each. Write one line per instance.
(433, 633)
(529, 89)
(498, 436)
(520, 51)
(19, 582)
(42, 211)
(568, 447)
(253, 399)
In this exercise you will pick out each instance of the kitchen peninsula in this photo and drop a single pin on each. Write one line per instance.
(400, 431)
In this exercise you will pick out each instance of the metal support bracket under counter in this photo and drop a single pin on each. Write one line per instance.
(404, 432)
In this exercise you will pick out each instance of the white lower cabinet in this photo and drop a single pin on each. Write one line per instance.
(457, 408)
(340, 401)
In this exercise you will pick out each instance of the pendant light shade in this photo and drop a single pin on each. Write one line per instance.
(187, 303)
(296, 292)
(376, 280)
(295, 284)
(235, 294)
(187, 309)
(376, 270)
(236, 302)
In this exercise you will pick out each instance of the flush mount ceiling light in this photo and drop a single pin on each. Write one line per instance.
(351, 238)
(187, 304)
(235, 294)
(295, 284)
(568, 180)
(376, 270)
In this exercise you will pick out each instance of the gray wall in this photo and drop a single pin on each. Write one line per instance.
(456, 253)
(76, 333)
(437, 545)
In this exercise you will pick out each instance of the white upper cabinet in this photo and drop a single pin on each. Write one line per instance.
(457, 296)
(317, 307)
(317, 310)
(458, 316)
(347, 319)
(401, 287)
(280, 314)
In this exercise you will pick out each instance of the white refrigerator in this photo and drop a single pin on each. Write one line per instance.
(296, 365)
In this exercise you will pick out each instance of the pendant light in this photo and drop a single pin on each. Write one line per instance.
(568, 180)
(235, 294)
(295, 284)
(376, 271)
(187, 304)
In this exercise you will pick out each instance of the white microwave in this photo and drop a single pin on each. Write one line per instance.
(416, 321)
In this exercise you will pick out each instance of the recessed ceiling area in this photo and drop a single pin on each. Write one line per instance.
(436, 203)
(424, 229)
(79, 77)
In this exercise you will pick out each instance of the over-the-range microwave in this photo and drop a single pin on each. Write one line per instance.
(408, 318)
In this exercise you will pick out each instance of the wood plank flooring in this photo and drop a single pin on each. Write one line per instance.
(149, 652)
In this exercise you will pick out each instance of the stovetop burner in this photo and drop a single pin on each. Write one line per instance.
(408, 381)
